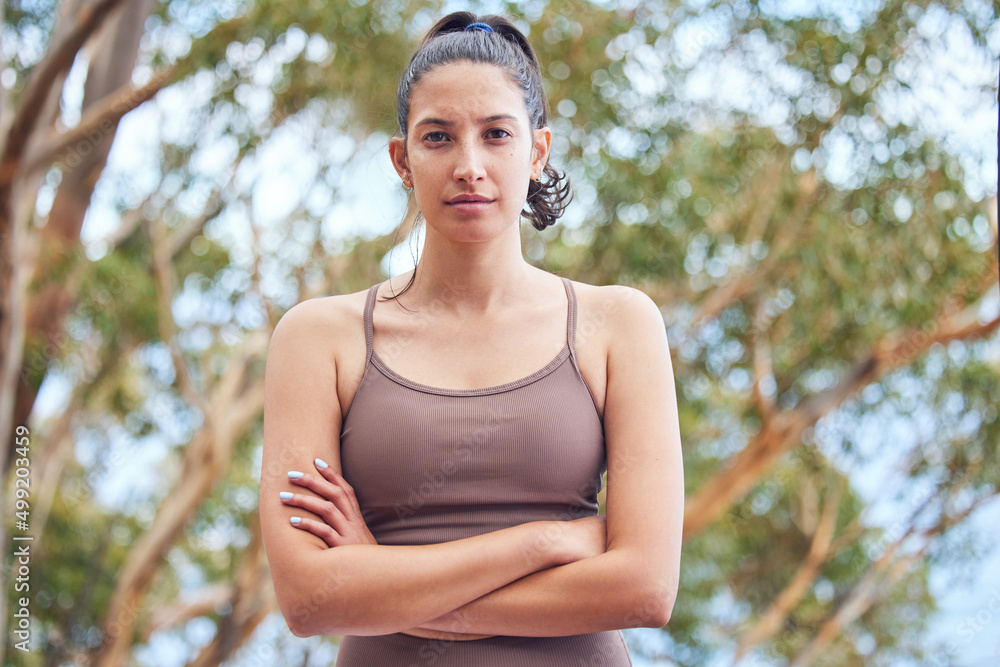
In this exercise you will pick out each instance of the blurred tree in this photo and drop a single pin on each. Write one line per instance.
(822, 244)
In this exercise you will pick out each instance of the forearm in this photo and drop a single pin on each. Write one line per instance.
(605, 592)
(374, 589)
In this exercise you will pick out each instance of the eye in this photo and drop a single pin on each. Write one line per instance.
(497, 133)
(435, 137)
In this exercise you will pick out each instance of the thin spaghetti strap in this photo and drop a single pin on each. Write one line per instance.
(369, 327)
(570, 316)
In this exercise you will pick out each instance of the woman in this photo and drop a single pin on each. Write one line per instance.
(433, 447)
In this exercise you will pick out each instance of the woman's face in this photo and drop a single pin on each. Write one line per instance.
(470, 151)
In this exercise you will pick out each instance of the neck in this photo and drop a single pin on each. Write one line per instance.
(472, 276)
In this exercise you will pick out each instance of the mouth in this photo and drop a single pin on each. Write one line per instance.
(469, 203)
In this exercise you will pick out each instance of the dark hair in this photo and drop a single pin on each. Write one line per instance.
(507, 48)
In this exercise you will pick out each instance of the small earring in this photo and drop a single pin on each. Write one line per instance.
(407, 186)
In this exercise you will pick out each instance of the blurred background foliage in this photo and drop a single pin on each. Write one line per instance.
(807, 189)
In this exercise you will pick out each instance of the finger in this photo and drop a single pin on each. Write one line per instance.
(324, 509)
(317, 528)
(333, 477)
(324, 489)
(349, 524)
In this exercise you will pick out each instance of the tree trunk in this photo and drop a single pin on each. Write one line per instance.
(78, 21)
(251, 600)
(112, 58)
(236, 401)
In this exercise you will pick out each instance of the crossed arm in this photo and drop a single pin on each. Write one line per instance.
(536, 579)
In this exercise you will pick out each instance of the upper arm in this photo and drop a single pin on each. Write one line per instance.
(302, 419)
(645, 496)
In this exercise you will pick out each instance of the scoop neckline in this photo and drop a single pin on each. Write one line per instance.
(561, 357)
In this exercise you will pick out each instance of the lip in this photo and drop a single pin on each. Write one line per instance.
(469, 203)
(470, 198)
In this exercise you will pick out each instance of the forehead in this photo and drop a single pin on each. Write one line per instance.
(460, 90)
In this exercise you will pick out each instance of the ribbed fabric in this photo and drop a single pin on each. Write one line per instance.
(599, 649)
(433, 465)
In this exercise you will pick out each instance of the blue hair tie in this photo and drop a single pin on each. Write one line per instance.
(478, 26)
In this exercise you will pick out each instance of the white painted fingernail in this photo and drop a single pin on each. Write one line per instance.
(285, 495)
(295, 520)
(320, 463)
(294, 474)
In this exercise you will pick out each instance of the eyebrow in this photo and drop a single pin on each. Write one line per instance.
(481, 121)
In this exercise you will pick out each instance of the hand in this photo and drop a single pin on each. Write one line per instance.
(340, 521)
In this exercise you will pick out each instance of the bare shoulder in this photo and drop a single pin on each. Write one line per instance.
(316, 356)
(326, 321)
(616, 313)
(319, 341)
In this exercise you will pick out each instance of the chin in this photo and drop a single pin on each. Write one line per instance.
(477, 230)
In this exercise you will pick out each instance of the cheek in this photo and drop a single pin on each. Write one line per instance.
(422, 169)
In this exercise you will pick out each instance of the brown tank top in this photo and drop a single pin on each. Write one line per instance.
(433, 465)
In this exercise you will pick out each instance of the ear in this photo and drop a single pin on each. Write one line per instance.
(540, 151)
(397, 153)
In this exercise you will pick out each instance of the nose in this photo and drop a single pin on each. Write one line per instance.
(469, 165)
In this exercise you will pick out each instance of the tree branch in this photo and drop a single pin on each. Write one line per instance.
(235, 401)
(785, 429)
(885, 572)
(762, 365)
(736, 289)
(63, 49)
(789, 598)
(203, 602)
(98, 122)
(251, 600)
(182, 235)
(164, 279)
